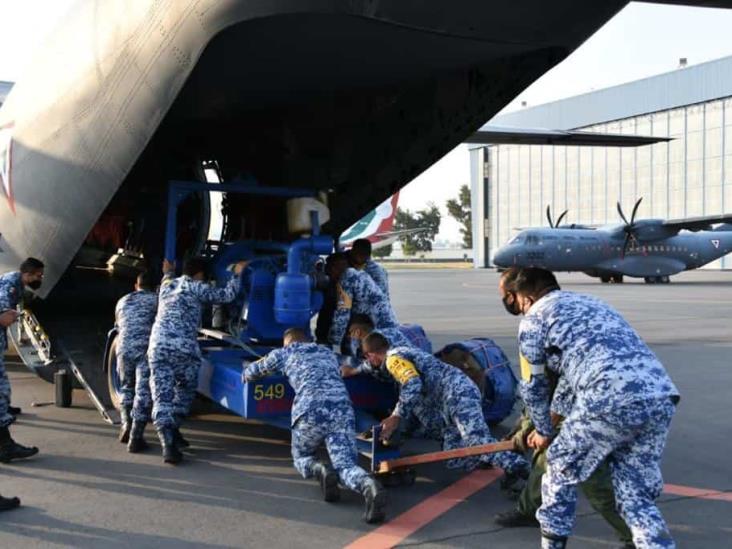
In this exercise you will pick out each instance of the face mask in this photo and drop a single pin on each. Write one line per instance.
(35, 284)
(511, 308)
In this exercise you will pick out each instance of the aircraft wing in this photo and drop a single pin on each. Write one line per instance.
(499, 135)
(697, 223)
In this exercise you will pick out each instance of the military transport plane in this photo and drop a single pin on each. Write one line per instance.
(338, 102)
(652, 249)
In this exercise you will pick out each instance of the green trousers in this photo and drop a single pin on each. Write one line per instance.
(598, 489)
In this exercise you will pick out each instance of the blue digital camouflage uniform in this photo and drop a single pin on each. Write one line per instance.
(134, 317)
(11, 293)
(395, 337)
(359, 294)
(378, 275)
(173, 354)
(623, 401)
(322, 411)
(447, 403)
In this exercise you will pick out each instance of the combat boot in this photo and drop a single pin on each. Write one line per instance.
(374, 501)
(6, 504)
(10, 450)
(137, 439)
(515, 519)
(180, 442)
(125, 425)
(14, 411)
(550, 541)
(328, 480)
(171, 453)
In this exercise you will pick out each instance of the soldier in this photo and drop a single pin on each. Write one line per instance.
(173, 354)
(11, 293)
(322, 412)
(357, 293)
(134, 317)
(444, 400)
(360, 258)
(361, 326)
(597, 488)
(623, 404)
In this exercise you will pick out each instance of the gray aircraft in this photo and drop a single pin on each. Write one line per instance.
(652, 249)
(343, 102)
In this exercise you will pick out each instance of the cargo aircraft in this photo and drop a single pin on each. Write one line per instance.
(301, 106)
(652, 249)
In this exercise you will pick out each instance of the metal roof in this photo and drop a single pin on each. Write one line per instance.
(684, 86)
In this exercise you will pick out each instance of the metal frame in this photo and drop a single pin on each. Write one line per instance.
(178, 191)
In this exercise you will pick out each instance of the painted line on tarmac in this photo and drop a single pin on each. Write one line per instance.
(699, 493)
(400, 528)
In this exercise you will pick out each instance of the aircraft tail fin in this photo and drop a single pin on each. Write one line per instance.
(724, 227)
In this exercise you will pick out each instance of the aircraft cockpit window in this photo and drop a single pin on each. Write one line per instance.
(516, 239)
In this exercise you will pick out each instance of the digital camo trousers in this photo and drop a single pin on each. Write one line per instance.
(632, 439)
(335, 428)
(173, 383)
(5, 417)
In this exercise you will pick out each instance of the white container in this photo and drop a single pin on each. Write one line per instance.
(298, 214)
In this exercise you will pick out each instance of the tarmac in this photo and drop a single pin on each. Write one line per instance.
(237, 487)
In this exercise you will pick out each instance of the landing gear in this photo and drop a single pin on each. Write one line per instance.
(605, 279)
(616, 279)
(657, 279)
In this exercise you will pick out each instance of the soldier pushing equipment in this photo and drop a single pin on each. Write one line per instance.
(443, 399)
(174, 354)
(623, 404)
(134, 317)
(360, 258)
(321, 413)
(356, 293)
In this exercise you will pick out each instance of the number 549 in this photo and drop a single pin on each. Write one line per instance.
(272, 392)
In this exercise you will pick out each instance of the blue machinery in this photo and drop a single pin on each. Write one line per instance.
(280, 289)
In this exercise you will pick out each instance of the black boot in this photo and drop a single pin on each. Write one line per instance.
(6, 504)
(328, 480)
(374, 501)
(515, 519)
(171, 453)
(180, 442)
(10, 450)
(14, 411)
(137, 440)
(126, 424)
(550, 541)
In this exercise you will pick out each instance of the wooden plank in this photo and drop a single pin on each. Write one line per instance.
(389, 465)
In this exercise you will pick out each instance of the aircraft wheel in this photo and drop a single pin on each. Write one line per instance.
(616, 279)
(114, 382)
(665, 279)
(605, 279)
(650, 279)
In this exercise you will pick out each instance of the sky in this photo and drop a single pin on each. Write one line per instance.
(640, 41)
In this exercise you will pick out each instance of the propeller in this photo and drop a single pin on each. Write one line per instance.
(629, 226)
(549, 217)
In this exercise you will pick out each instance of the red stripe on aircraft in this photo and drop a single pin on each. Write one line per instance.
(397, 530)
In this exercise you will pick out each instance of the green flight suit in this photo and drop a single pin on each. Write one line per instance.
(598, 489)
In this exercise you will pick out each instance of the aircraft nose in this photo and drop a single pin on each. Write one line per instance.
(502, 257)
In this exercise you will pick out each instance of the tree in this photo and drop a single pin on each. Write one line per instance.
(382, 252)
(428, 220)
(459, 209)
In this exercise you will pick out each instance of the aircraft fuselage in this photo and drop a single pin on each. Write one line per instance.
(600, 252)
